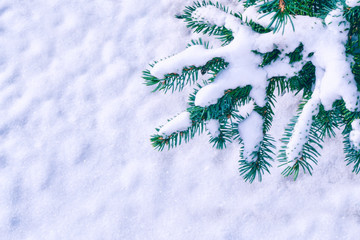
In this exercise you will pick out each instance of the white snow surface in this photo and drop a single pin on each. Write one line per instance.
(75, 157)
(352, 3)
(355, 133)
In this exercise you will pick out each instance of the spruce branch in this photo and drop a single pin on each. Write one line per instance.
(326, 122)
(296, 55)
(259, 161)
(282, 14)
(249, 170)
(318, 116)
(268, 57)
(224, 136)
(323, 125)
(308, 152)
(352, 15)
(257, 27)
(206, 27)
(304, 80)
(282, 5)
(159, 141)
(275, 84)
(232, 99)
(352, 155)
(189, 75)
(199, 42)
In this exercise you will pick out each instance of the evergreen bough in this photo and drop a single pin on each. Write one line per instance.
(317, 116)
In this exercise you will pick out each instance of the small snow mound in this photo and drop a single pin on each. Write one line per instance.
(204, 13)
(301, 132)
(355, 134)
(214, 16)
(213, 127)
(250, 131)
(192, 56)
(180, 123)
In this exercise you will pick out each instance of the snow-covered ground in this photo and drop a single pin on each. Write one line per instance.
(75, 157)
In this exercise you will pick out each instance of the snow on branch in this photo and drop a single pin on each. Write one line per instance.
(214, 16)
(302, 128)
(179, 123)
(314, 53)
(353, 3)
(196, 55)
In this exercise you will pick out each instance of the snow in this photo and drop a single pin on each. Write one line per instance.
(250, 131)
(213, 127)
(333, 67)
(215, 16)
(301, 132)
(192, 56)
(75, 156)
(334, 79)
(180, 123)
(355, 134)
(283, 68)
(352, 3)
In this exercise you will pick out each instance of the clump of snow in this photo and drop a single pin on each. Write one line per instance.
(250, 131)
(252, 13)
(214, 16)
(213, 126)
(301, 131)
(355, 134)
(209, 94)
(283, 68)
(246, 110)
(352, 3)
(194, 55)
(179, 123)
(336, 79)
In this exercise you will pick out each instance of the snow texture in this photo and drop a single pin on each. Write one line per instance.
(75, 157)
